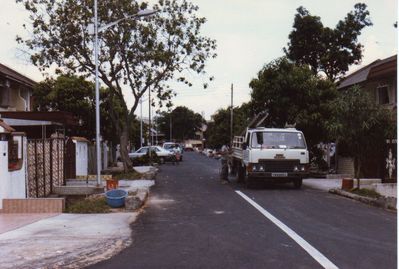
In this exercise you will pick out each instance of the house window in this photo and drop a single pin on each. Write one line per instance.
(383, 95)
(15, 151)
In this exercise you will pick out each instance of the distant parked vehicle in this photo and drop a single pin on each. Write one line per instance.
(163, 154)
(175, 148)
(188, 147)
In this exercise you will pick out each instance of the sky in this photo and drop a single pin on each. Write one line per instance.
(249, 34)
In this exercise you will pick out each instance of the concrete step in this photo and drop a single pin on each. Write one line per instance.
(338, 176)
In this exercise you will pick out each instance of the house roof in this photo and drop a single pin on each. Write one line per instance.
(15, 76)
(80, 139)
(369, 71)
(6, 127)
(62, 117)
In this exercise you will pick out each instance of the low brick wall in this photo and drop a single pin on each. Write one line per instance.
(77, 190)
(34, 205)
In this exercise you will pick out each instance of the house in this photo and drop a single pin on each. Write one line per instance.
(15, 90)
(379, 79)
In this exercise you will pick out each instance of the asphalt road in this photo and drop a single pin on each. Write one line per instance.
(193, 221)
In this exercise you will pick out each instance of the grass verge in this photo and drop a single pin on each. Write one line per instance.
(89, 205)
(129, 175)
(366, 193)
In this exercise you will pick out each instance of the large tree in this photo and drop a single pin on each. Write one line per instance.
(75, 94)
(218, 131)
(293, 94)
(137, 54)
(185, 123)
(360, 125)
(324, 49)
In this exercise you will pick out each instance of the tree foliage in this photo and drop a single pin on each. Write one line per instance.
(360, 124)
(293, 94)
(75, 94)
(218, 129)
(185, 123)
(324, 49)
(137, 54)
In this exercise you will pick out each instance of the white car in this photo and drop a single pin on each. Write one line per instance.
(163, 155)
(175, 148)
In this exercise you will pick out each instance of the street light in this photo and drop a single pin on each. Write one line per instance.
(141, 13)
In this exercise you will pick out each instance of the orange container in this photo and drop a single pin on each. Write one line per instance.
(112, 184)
(347, 183)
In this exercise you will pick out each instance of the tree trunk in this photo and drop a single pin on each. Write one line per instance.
(124, 138)
(357, 171)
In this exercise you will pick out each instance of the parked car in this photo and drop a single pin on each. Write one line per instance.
(188, 147)
(175, 148)
(163, 154)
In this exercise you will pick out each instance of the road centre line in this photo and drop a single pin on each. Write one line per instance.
(320, 258)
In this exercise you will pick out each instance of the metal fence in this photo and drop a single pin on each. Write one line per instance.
(45, 166)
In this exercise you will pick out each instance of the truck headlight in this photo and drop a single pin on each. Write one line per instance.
(296, 168)
(261, 168)
(302, 168)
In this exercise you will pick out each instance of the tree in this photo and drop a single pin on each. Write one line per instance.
(75, 94)
(218, 131)
(293, 94)
(361, 125)
(185, 123)
(324, 49)
(136, 54)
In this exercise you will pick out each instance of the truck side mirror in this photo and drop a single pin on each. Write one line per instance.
(244, 146)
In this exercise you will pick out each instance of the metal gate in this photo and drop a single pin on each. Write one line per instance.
(45, 166)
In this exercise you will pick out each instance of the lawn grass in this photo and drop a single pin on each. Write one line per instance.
(366, 193)
(96, 204)
(129, 175)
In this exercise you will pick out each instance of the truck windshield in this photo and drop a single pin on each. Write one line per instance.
(275, 140)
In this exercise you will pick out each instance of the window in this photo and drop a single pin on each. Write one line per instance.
(274, 140)
(15, 153)
(383, 95)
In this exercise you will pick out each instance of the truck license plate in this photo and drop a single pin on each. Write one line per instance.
(279, 174)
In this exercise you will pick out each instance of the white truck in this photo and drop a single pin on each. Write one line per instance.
(278, 155)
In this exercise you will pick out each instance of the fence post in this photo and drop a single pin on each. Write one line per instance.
(51, 165)
(36, 179)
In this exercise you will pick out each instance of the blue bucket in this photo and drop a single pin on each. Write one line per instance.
(116, 197)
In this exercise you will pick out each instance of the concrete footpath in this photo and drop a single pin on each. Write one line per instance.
(66, 241)
(322, 184)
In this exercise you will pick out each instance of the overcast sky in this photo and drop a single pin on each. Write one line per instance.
(249, 35)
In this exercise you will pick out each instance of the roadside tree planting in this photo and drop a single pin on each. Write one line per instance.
(135, 56)
(360, 125)
(327, 50)
(293, 95)
(185, 123)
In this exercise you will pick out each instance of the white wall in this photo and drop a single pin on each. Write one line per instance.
(81, 158)
(12, 184)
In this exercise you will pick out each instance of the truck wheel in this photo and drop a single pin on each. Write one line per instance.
(240, 174)
(248, 182)
(297, 183)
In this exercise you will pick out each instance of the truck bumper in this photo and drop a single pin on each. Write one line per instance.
(277, 175)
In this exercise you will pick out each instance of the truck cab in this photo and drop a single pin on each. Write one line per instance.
(272, 154)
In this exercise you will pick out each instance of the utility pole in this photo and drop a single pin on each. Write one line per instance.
(170, 126)
(141, 122)
(149, 124)
(231, 117)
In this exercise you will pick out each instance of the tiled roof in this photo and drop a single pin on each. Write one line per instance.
(362, 74)
(14, 75)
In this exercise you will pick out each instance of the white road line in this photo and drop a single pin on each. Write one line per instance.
(320, 258)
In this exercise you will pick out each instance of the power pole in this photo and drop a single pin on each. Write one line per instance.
(231, 117)
(170, 127)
